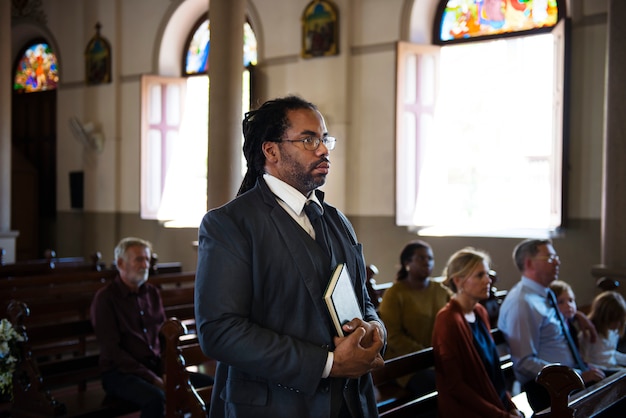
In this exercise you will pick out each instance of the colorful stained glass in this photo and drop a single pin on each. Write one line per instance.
(197, 58)
(249, 46)
(37, 70)
(462, 19)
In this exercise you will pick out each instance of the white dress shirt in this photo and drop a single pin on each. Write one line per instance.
(293, 202)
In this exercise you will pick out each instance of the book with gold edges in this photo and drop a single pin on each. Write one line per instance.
(341, 299)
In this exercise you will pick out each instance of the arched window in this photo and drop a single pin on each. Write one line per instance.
(197, 49)
(175, 120)
(481, 121)
(37, 69)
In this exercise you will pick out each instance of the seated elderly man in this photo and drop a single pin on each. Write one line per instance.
(127, 315)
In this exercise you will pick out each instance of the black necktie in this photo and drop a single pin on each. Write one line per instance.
(314, 212)
(568, 336)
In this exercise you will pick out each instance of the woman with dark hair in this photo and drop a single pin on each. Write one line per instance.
(408, 309)
(470, 382)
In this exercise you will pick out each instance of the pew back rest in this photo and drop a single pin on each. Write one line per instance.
(52, 264)
(62, 295)
(183, 354)
(63, 288)
(595, 400)
(58, 371)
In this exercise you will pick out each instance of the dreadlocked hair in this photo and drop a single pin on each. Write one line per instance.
(267, 123)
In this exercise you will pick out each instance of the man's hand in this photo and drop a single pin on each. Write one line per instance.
(592, 375)
(352, 359)
(369, 327)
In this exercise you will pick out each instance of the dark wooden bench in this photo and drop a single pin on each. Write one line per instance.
(164, 267)
(58, 374)
(183, 354)
(51, 264)
(395, 401)
(606, 398)
(57, 278)
(59, 294)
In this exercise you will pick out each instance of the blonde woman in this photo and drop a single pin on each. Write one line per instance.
(467, 364)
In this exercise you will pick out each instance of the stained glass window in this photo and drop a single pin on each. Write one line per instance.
(498, 101)
(197, 55)
(463, 19)
(37, 69)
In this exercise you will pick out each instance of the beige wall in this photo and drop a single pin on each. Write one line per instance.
(355, 91)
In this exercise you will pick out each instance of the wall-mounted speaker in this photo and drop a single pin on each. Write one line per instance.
(77, 184)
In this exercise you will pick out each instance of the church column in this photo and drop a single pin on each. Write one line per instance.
(614, 176)
(225, 71)
(7, 237)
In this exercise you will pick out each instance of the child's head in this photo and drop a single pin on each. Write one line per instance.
(608, 311)
(565, 298)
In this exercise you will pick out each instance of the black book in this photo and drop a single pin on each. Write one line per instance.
(341, 299)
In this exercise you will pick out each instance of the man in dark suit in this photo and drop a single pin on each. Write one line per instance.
(261, 276)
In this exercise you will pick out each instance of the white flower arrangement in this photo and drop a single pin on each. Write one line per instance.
(8, 355)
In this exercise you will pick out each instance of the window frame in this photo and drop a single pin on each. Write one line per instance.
(561, 32)
(151, 192)
(147, 82)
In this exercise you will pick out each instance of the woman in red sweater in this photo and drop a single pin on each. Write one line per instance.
(467, 364)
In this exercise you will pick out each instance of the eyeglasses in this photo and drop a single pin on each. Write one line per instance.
(311, 143)
(552, 258)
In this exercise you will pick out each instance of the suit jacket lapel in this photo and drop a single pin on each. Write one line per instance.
(302, 258)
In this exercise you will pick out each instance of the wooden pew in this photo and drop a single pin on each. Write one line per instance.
(606, 398)
(395, 401)
(177, 292)
(182, 352)
(164, 267)
(56, 294)
(59, 373)
(56, 278)
(59, 294)
(60, 383)
(52, 264)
